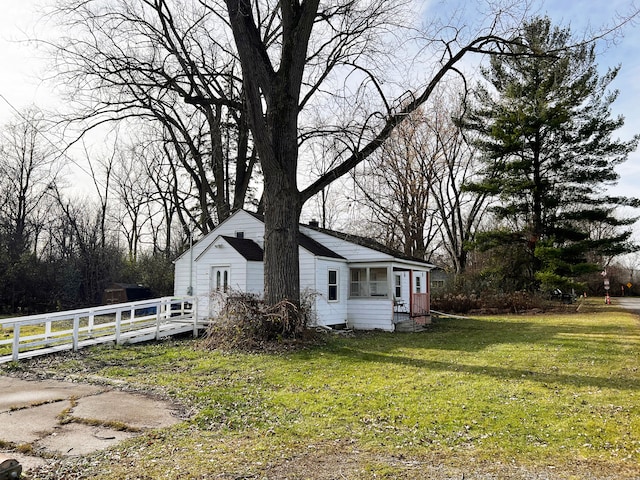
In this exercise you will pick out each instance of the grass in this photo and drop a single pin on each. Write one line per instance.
(545, 390)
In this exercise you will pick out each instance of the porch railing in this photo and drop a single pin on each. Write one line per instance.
(420, 305)
(24, 337)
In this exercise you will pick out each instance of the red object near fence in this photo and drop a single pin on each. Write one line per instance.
(420, 308)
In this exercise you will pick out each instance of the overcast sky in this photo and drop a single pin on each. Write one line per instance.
(22, 63)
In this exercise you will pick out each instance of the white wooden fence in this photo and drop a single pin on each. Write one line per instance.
(26, 337)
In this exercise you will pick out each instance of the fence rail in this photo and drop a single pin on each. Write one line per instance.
(25, 337)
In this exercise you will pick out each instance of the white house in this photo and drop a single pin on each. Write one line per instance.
(355, 281)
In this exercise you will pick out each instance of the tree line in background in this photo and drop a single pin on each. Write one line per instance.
(512, 182)
(59, 251)
(500, 183)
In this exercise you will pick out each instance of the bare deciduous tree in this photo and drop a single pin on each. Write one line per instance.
(285, 68)
(359, 61)
(395, 187)
(28, 166)
(150, 61)
(413, 185)
(460, 212)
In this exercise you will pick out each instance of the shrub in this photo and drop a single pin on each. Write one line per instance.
(490, 302)
(246, 322)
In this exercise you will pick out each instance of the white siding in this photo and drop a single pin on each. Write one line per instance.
(241, 221)
(350, 251)
(181, 281)
(371, 314)
(331, 313)
(359, 313)
(225, 256)
(307, 271)
(255, 277)
(252, 228)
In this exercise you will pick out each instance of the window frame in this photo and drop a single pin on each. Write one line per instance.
(370, 283)
(221, 278)
(335, 285)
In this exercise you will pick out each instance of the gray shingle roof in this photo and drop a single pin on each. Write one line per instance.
(249, 249)
(316, 248)
(356, 239)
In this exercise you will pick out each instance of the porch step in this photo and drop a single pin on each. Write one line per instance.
(410, 326)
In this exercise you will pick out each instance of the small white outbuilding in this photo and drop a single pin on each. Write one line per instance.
(352, 280)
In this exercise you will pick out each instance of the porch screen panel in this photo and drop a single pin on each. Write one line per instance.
(369, 282)
(358, 286)
(378, 282)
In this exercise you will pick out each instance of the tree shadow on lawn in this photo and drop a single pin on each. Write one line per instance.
(504, 373)
(604, 343)
(476, 334)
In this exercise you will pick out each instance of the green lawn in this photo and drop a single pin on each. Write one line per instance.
(558, 393)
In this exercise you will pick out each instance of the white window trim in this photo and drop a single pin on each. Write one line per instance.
(367, 282)
(337, 285)
(397, 285)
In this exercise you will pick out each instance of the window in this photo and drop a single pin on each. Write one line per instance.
(359, 282)
(221, 279)
(333, 286)
(398, 286)
(378, 282)
(239, 234)
(369, 282)
(418, 284)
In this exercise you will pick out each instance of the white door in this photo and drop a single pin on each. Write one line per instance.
(220, 279)
(401, 291)
(218, 286)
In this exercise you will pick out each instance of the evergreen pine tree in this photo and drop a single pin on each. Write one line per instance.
(546, 131)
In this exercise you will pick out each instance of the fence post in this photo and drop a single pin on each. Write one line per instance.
(194, 312)
(91, 321)
(118, 321)
(16, 341)
(76, 334)
(161, 305)
(47, 329)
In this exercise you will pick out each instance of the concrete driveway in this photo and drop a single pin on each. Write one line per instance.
(56, 419)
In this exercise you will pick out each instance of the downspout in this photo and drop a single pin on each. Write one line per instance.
(190, 289)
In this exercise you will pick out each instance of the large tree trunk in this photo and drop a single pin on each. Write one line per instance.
(281, 256)
(272, 98)
(282, 201)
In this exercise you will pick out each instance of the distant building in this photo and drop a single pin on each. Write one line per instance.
(124, 292)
